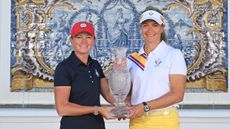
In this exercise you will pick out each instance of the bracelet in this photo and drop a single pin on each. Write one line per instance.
(95, 112)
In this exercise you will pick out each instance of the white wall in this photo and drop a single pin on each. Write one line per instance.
(48, 119)
(4, 41)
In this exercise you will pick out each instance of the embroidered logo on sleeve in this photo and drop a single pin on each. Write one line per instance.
(139, 60)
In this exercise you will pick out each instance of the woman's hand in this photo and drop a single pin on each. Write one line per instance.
(104, 111)
(125, 116)
(136, 111)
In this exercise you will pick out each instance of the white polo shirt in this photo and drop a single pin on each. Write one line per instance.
(153, 81)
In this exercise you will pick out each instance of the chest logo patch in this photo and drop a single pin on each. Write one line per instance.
(157, 62)
(96, 72)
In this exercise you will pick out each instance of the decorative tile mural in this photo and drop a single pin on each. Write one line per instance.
(40, 31)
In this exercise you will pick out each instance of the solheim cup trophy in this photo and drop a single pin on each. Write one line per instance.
(119, 82)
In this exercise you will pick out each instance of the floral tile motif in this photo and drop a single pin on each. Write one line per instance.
(40, 32)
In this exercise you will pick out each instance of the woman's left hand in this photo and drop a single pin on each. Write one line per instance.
(104, 111)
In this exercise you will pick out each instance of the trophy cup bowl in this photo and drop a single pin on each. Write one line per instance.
(120, 82)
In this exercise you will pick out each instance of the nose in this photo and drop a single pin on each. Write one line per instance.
(84, 39)
(150, 28)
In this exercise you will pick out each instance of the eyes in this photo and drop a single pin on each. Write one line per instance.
(153, 24)
(84, 35)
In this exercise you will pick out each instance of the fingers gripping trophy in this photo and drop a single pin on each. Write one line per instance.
(119, 81)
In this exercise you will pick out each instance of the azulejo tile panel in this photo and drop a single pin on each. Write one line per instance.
(40, 31)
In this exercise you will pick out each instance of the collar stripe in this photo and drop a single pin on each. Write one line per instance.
(136, 62)
(144, 55)
(139, 60)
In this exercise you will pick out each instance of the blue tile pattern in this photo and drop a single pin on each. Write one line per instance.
(40, 32)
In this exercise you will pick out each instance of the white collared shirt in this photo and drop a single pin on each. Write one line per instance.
(153, 81)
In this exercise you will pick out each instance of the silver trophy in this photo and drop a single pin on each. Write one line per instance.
(119, 81)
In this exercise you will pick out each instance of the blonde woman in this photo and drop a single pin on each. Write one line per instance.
(158, 74)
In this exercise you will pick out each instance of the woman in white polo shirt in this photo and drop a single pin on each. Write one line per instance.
(158, 74)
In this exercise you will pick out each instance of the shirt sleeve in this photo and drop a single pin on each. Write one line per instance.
(61, 76)
(178, 65)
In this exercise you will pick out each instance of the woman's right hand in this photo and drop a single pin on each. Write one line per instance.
(136, 111)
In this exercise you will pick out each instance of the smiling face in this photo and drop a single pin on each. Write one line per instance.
(151, 31)
(82, 43)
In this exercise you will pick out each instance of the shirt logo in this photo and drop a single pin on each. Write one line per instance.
(157, 62)
(97, 73)
(150, 13)
(83, 25)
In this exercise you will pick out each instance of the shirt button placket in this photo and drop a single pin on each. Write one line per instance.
(91, 77)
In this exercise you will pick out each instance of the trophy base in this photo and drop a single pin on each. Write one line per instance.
(119, 112)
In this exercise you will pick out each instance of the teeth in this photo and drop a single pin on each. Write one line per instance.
(83, 46)
(151, 35)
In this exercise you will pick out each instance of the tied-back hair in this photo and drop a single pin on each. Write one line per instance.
(163, 34)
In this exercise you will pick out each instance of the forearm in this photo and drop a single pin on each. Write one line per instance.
(128, 99)
(110, 99)
(166, 100)
(108, 96)
(71, 109)
(106, 93)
